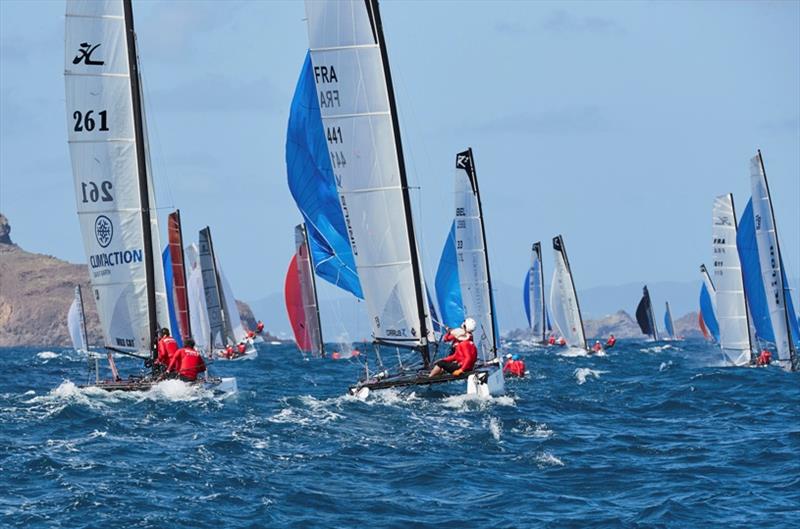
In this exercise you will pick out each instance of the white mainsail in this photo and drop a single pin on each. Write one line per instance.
(731, 305)
(108, 149)
(198, 312)
(356, 100)
(76, 323)
(565, 312)
(472, 258)
(769, 256)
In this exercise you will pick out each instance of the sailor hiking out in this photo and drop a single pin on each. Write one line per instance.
(187, 362)
(463, 357)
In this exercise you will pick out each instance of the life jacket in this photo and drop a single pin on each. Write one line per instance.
(251, 334)
(611, 341)
(241, 347)
(551, 340)
(191, 363)
(465, 353)
(259, 326)
(515, 368)
(166, 350)
(597, 348)
(229, 351)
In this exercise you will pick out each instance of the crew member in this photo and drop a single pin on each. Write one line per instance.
(551, 340)
(764, 358)
(187, 362)
(167, 346)
(596, 348)
(562, 342)
(463, 357)
(515, 367)
(259, 327)
(610, 342)
(251, 334)
(241, 347)
(229, 352)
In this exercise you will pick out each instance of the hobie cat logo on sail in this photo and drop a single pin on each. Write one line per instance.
(85, 55)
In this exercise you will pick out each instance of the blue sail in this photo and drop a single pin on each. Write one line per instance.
(707, 310)
(313, 187)
(668, 324)
(173, 317)
(526, 296)
(448, 288)
(751, 270)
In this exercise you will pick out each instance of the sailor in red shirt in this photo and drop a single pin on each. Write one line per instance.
(166, 348)
(463, 358)
(259, 326)
(764, 358)
(187, 362)
(241, 347)
(596, 348)
(251, 334)
(551, 340)
(514, 367)
(611, 341)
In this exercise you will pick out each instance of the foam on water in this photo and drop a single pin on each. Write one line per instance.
(47, 355)
(584, 373)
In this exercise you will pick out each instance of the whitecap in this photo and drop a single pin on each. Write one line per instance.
(495, 428)
(665, 365)
(546, 459)
(572, 352)
(47, 355)
(582, 373)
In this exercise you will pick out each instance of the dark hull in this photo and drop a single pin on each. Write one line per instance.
(415, 379)
(144, 384)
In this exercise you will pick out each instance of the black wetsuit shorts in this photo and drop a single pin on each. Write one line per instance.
(448, 365)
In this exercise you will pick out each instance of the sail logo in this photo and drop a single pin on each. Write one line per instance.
(85, 55)
(103, 231)
(722, 221)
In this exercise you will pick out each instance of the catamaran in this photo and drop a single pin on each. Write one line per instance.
(533, 296)
(645, 317)
(707, 318)
(300, 293)
(564, 306)
(225, 327)
(765, 282)
(76, 323)
(735, 341)
(359, 117)
(113, 183)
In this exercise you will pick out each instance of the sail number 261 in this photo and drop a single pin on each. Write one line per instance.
(86, 122)
(92, 192)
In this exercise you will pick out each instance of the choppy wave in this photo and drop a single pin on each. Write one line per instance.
(653, 435)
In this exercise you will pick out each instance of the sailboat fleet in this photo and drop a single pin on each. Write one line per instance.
(346, 172)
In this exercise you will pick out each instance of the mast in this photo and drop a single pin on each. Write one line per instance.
(537, 249)
(314, 290)
(782, 294)
(141, 163)
(377, 29)
(563, 250)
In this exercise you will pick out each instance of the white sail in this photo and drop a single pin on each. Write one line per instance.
(770, 258)
(356, 102)
(76, 323)
(103, 148)
(473, 263)
(734, 327)
(565, 313)
(198, 312)
(231, 310)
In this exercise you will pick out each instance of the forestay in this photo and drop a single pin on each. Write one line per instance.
(564, 308)
(356, 100)
(472, 256)
(76, 323)
(114, 194)
(734, 324)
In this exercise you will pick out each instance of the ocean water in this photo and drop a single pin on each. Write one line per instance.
(648, 436)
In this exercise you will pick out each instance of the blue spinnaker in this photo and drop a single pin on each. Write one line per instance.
(448, 288)
(173, 317)
(668, 325)
(707, 310)
(313, 187)
(751, 270)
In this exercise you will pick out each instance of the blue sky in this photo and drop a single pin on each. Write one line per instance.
(613, 123)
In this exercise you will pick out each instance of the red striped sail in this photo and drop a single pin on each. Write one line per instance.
(703, 326)
(179, 291)
(294, 307)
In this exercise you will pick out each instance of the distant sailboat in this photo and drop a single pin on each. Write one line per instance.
(448, 287)
(533, 296)
(564, 307)
(765, 282)
(225, 326)
(113, 181)
(731, 306)
(645, 317)
(76, 323)
(669, 325)
(708, 312)
(359, 116)
(300, 294)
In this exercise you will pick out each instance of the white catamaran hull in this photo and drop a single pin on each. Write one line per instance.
(487, 384)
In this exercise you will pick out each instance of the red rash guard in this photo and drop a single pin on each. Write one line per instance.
(515, 368)
(166, 350)
(241, 348)
(465, 354)
(188, 363)
(611, 342)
